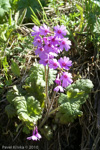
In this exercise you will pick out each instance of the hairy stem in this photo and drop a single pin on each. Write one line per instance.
(51, 112)
(47, 116)
(44, 120)
(46, 88)
(52, 101)
(47, 102)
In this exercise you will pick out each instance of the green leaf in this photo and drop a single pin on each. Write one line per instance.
(4, 7)
(52, 76)
(44, 14)
(34, 17)
(10, 110)
(38, 92)
(28, 109)
(5, 67)
(22, 17)
(10, 96)
(16, 17)
(70, 103)
(15, 68)
(37, 74)
(15, 91)
(62, 98)
(33, 106)
(68, 112)
(81, 15)
(82, 85)
(22, 4)
(13, 4)
(2, 12)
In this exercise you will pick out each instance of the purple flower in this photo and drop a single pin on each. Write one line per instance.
(43, 61)
(58, 81)
(66, 79)
(39, 50)
(54, 40)
(59, 88)
(60, 31)
(65, 43)
(53, 63)
(56, 49)
(35, 136)
(48, 47)
(37, 41)
(36, 31)
(44, 30)
(45, 39)
(44, 55)
(65, 62)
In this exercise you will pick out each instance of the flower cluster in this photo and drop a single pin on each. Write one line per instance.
(49, 44)
(35, 136)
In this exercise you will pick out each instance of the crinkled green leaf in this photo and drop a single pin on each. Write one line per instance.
(28, 109)
(52, 76)
(82, 85)
(37, 74)
(15, 91)
(36, 79)
(38, 91)
(69, 111)
(10, 96)
(33, 106)
(70, 103)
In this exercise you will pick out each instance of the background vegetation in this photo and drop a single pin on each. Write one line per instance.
(82, 20)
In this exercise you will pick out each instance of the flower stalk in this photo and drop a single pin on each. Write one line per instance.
(49, 45)
(47, 102)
